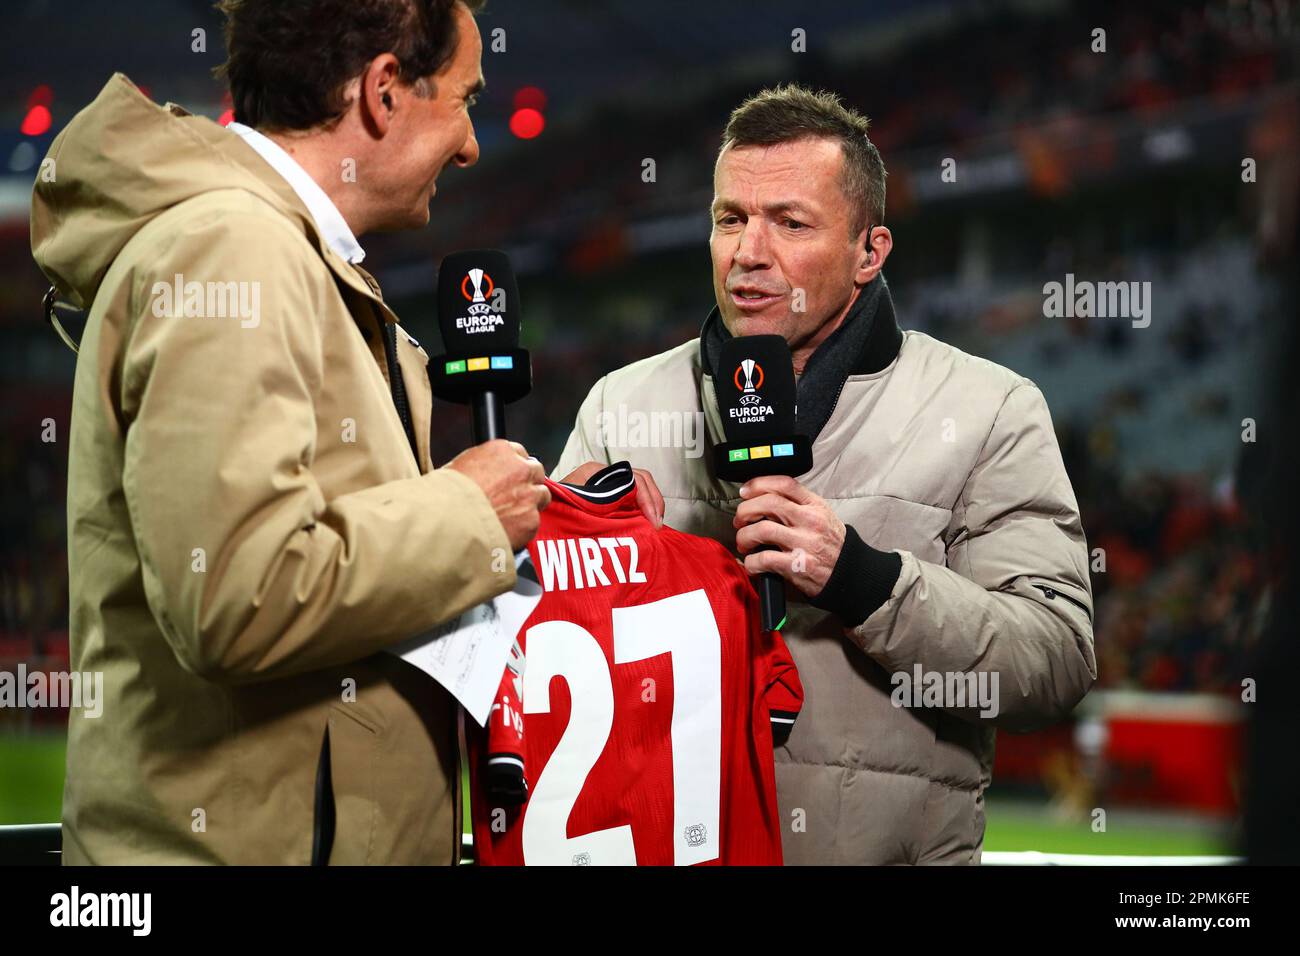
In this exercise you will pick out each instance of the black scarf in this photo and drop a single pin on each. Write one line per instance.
(867, 341)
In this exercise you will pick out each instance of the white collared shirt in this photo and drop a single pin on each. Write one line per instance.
(329, 220)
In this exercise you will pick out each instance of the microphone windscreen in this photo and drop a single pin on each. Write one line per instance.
(755, 389)
(478, 303)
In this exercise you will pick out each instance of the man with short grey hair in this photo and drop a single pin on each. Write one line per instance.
(934, 554)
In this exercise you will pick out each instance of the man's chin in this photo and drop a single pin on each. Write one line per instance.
(416, 219)
(754, 323)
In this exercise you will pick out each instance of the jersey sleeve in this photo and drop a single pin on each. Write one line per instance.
(783, 691)
(504, 773)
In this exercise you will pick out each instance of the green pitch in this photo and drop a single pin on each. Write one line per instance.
(1016, 825)
(31, 788)
(31, 778)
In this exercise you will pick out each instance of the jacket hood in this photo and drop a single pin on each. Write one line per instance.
(123, 160)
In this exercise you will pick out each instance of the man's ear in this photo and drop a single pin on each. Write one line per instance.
(874, 246)
(379, 93)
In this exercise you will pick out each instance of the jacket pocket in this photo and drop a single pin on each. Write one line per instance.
(1052, 592)
(353, 752)
(322, 829)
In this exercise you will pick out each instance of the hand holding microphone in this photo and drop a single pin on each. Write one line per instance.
(778, 512)
(479, 314)
(755, 390)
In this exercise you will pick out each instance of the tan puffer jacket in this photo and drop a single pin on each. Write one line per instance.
(952, 462)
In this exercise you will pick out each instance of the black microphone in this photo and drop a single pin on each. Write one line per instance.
(478, 312)
(755, 389)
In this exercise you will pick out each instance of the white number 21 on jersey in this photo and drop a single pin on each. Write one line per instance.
(682, 626)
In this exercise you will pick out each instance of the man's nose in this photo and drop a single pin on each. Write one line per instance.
(753, 251)
(468, 154)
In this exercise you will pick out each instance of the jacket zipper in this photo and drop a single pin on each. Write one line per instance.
(834, 405)
(388, 335)
(1051, 593)
(397, 385)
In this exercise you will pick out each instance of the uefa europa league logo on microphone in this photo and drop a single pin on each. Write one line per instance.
(747, 368)
(476, 276)
(481, 316)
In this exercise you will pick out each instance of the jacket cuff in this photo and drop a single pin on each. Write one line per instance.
(862, 580)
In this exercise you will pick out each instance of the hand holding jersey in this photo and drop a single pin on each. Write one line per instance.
(513, 483)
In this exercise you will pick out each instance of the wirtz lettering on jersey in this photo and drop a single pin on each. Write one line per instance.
(576, 563)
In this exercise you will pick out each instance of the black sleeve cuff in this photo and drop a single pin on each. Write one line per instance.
(782, 724)
(506, 782)
(861, 582)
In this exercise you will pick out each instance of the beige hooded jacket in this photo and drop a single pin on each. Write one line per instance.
(248, 525)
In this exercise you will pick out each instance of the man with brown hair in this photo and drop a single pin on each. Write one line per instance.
(253, 515)
(934, 555)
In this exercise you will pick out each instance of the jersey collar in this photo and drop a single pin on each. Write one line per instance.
(607, 485)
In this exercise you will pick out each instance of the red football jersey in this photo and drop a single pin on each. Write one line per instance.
(649, 700)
